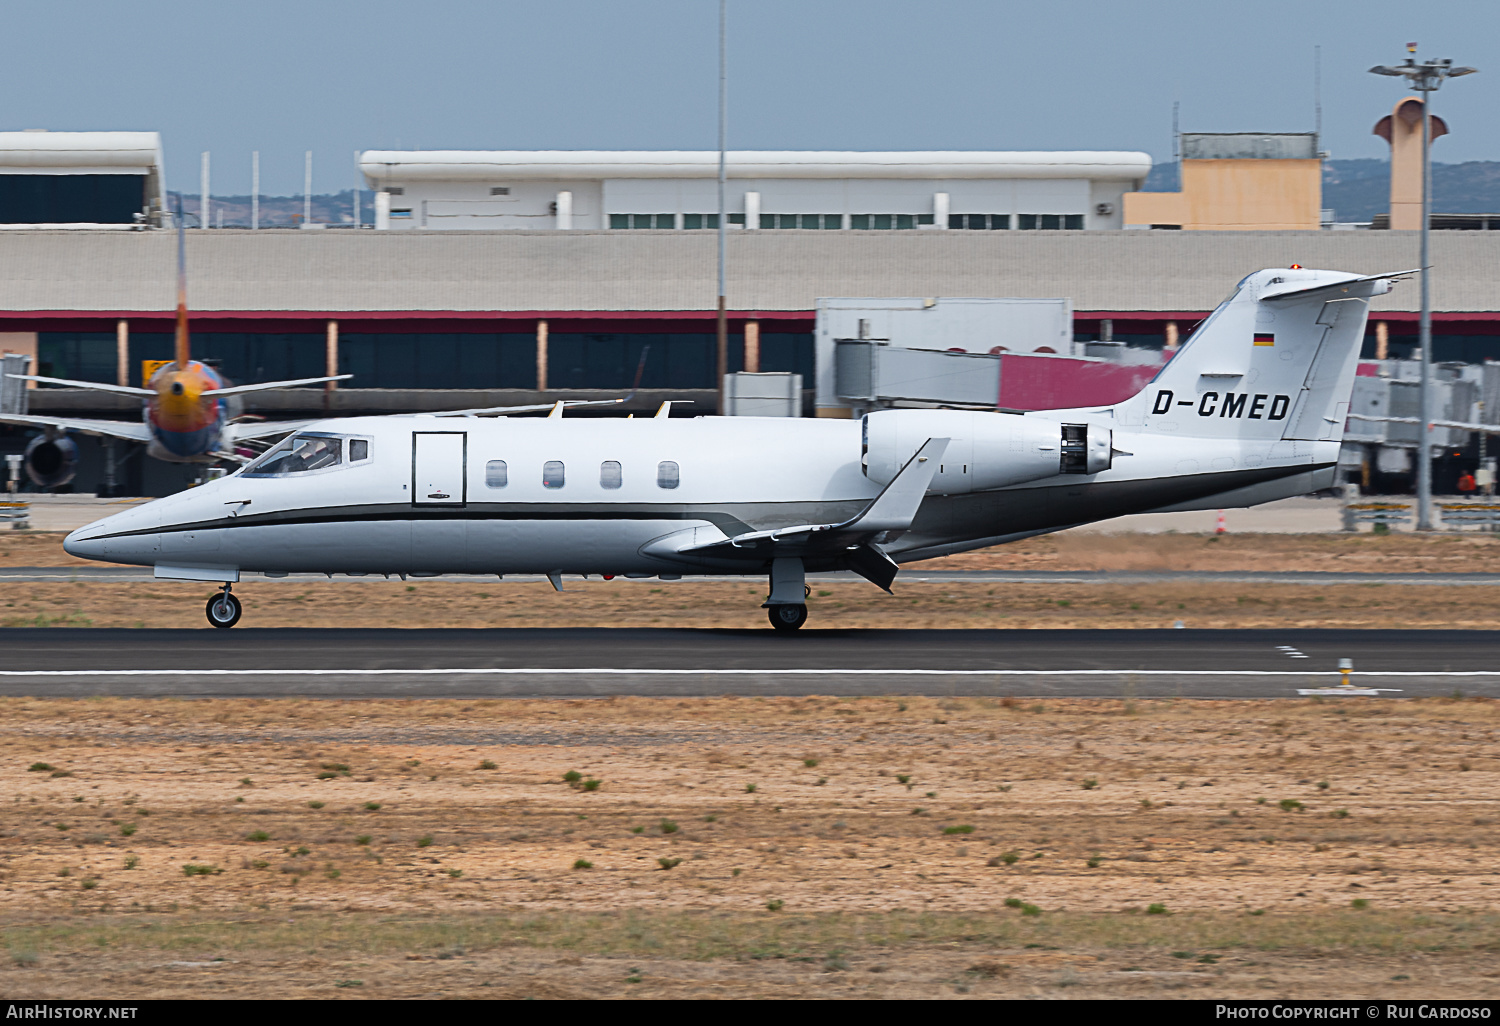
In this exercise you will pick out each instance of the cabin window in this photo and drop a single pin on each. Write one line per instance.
(495, 474)
(552, 474)
(297, 455)
(609, 474)
(666, 474)
(359, 449)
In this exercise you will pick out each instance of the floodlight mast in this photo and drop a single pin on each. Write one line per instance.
(1425, 78)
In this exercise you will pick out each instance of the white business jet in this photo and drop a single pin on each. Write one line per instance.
(1251, 409)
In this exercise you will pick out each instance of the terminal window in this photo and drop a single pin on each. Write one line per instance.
(1050, 222)
(887, 222)
(643, 221)
(818, 221)
(693, 222)
(981, 222)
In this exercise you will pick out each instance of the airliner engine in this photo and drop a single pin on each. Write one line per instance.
(51, 459)
(987, 450)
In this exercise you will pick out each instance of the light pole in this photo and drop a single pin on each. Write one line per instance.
(721, 361)
(1424, 78)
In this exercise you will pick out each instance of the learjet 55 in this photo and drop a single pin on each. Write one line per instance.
(1252, 408)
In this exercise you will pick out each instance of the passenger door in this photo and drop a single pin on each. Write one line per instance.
(438, 468)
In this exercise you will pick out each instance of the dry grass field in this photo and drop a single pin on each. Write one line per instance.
(873, 847)
(813, 847)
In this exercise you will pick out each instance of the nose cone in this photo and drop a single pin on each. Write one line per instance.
(86, 543)
(130, 536)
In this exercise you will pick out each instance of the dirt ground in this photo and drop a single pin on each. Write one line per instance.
(874, 847)
(915, 604)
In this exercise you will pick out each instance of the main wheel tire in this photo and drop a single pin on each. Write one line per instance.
(787, 618)
(223, 610)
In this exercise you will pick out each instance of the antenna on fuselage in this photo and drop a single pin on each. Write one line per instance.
(181, 347)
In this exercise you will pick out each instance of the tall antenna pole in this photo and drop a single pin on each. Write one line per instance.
(723, 323)
(255, 189)
(1318, 97)
(307, 190)
(1177, 144)
(203, 193)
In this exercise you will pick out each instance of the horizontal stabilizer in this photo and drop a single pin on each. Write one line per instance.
(262, 386)
(97, 386)
(1299, 290)
(134, 432)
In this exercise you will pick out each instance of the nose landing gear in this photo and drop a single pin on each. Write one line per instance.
(224, 609)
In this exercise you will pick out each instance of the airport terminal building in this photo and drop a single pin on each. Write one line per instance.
(459, 311)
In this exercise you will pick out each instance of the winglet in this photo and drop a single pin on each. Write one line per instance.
(896, 506)
(557, 410)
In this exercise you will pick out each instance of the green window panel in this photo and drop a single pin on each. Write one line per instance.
(980, 222)
(886, 222)
(1050, 222)
(643, 221)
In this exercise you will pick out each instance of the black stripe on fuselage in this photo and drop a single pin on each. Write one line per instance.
(724, 521)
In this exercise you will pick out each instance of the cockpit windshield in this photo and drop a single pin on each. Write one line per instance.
(297, 455)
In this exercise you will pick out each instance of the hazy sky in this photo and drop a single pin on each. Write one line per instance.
(336, 76)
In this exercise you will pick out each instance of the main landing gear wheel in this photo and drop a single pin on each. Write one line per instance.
(787, 618)
(224, 609)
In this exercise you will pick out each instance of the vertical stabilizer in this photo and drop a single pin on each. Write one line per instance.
(1275, 360)
(181, 353)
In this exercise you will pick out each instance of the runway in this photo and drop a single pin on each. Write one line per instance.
(576, 663)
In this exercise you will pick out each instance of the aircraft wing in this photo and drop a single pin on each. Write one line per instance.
(893, 509)
(97, 386)
(135, 432)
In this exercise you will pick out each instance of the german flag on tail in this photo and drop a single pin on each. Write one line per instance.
(1265, 339)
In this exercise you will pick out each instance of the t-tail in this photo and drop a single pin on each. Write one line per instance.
(1275, 361)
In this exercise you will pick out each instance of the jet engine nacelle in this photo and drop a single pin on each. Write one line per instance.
(987, 450)
(51, 462)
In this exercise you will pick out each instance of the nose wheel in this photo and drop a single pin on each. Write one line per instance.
(224, 609)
